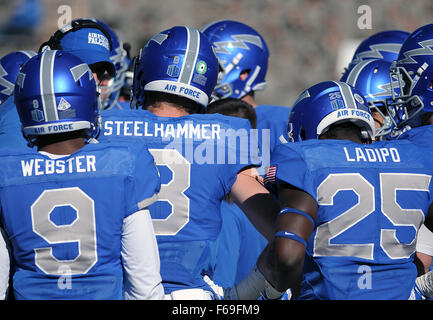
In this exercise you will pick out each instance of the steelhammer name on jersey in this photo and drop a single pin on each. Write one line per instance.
(164, 130)
(79, 164)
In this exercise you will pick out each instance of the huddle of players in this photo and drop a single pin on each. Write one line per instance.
(101, 218)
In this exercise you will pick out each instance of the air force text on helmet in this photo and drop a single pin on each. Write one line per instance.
(63, 127)
(179, 89)
(344, 113)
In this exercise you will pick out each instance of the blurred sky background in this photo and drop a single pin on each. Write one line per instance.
(309, 40)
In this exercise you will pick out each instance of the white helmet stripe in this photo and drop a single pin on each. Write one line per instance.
(190, 58)
(354, 73)
(347, 95)
(47, 85)
(375, 51)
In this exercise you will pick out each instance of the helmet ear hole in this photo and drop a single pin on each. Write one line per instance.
(244, 74)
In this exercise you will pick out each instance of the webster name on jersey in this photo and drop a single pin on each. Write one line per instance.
(79, 164)
(163, 130)
(372, 154)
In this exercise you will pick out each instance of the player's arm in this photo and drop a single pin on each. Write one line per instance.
(256, 202)
(424, 248)
(282, 261)
(140, 258)
(424, 283)
(279, 266)
(428, 222)
(4, 265)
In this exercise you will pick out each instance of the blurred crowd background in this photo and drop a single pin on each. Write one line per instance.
(309, 40)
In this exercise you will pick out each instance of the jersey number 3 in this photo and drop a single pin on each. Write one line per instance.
(173, 191)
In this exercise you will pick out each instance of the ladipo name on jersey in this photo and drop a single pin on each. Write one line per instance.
(372, 154)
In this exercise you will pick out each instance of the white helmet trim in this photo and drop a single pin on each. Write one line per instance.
(180, 89)
(356, 116)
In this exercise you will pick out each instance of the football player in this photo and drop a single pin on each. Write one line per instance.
(82, 37)
(381, 46)
(202, 157)
(10, 64)
(72, 235)
(239, 242)
(243, 56)
(343, 227)
(413, 106)
(110, 87)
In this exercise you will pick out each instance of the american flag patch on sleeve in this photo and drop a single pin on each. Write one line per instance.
(270, 174)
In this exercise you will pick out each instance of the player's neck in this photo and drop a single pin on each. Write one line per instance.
(341, 135)
(64, 147)
(167, 109)
(250, 100)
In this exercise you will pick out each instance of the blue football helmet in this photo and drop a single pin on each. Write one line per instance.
(10, 64)
(382, 45)
(239, 49)
(110, 93)
(325, 104)
(55, 92)
(414, 71)
(371, 78)
(177, 61)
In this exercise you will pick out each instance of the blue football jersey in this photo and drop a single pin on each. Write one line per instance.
(123, 105)
(422, 136)
(239, 243)
(10, 126)
(271, 125)
(198, 157)
(239, 246)
(64, 217)
(372, 199)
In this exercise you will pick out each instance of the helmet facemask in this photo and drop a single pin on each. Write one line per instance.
(405, 105)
